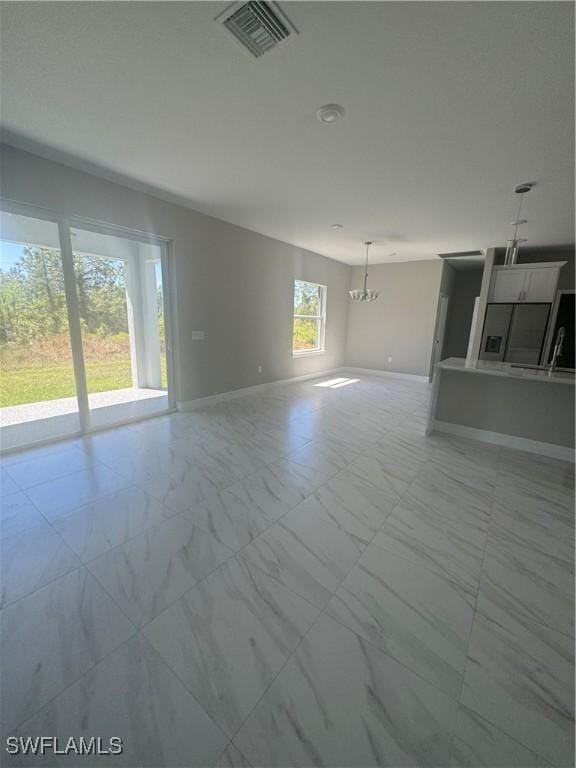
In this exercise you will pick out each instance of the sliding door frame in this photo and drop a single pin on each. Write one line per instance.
(74, 325)
(167, 267)
(65, 225)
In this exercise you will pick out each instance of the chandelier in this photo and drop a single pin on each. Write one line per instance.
(365, 294)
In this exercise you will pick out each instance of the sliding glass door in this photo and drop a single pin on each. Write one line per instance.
(121, 305)
(83, 328)
(37, 383)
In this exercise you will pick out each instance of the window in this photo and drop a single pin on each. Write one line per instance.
(309, 318)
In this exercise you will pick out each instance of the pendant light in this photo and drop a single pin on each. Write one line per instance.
(365, 294)
(513, 244)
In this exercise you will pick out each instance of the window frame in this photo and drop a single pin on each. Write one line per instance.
(320, 318)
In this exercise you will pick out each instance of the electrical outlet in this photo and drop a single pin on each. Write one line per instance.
(389, 359)
(197, 335)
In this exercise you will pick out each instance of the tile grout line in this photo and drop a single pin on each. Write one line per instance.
(81, 563)
(66, 545)
(467, 657)
(292, 654)
(174, 514)
(201, 580)
(92, 666)
(236, 552)
(289, 589)
(134, 485)
(186, 511)
(183, 513)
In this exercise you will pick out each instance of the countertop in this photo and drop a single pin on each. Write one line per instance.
(507, 370)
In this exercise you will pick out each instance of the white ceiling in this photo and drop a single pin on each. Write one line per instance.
(448, 107)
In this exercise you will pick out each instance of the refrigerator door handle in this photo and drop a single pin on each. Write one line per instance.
(526, 333)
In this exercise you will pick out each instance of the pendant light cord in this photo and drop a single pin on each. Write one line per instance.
(516, 225)
(514, 241)
(368, 244)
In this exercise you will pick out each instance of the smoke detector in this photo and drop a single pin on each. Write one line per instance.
(258, 26)
(330, 113)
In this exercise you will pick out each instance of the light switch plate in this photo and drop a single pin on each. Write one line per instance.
(197, 335)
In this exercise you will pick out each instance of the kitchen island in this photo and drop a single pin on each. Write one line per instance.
(528, 408)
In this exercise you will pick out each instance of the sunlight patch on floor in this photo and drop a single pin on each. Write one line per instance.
(337, 383)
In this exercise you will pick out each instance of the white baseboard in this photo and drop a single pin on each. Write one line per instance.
(508, 441)
(380, 372)
(199, 402)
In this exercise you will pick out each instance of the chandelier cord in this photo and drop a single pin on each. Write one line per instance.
(364, 294)
(366, 267)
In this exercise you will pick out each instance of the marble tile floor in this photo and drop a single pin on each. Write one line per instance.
(298, 577)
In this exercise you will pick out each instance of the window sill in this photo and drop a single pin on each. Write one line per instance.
(309, 353)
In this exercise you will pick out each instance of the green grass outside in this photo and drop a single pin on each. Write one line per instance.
(38, 383)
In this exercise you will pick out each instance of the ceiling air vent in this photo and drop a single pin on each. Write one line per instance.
(259, 26)
(460, 254)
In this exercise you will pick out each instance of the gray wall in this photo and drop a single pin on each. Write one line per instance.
(234, 284)
(465, 288)
(448, 279)
(400, 323)
(530, 409)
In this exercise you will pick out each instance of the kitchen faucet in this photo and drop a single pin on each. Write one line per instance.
(559, 343)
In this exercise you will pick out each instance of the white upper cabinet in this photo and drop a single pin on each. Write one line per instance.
(507, 285)
(540, 284)
(525, 283)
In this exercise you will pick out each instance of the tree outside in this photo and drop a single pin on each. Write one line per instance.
(101, 290)
(306, 328)
(35, 354)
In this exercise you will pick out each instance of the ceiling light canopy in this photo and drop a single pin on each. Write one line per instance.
(330, 113)
(335, 226)
(364, 294)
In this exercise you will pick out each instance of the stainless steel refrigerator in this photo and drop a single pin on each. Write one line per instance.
(514, 333)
